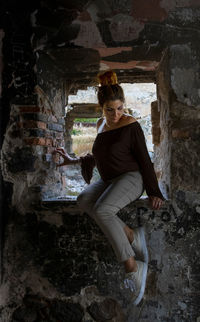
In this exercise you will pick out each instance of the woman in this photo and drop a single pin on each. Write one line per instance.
(120, 154)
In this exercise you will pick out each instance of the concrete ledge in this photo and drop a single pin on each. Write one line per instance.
(140, 207)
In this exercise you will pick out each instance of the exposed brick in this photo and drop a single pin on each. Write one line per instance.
(61, 121)
(58, 143)
(49, 149)
(38, 141)
(55, 127)
(29, 109)
(156, 135)
(52, 118)
(49, 134)
(155, 119)
(180, 134)
(49, 142)
(35, 141)
(35, 132)
(32, 125)
(58, 135)
(155, 114)
(34, 117)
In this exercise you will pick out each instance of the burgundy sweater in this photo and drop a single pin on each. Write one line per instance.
(118, 151)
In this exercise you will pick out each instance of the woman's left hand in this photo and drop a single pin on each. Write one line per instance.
(155, 202)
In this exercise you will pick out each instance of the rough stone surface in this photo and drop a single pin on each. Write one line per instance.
(185, 75)
(35, 308)
(50, 50)
(59, 258)
(162, 160)
(107, 310)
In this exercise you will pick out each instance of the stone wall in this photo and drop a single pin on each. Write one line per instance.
(64, 267)
(162, 120)
(32, 135)
(176, 155)
(43, 70)
(185, 118)
(49, 266)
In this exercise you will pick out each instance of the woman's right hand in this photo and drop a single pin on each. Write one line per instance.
(67, 159)
(155, 202)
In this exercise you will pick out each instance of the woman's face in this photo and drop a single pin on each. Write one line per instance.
(113, 110)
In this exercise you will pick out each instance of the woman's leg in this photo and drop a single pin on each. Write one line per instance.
(88, 197)
(93, 192)
(86, 200)
(121, 191)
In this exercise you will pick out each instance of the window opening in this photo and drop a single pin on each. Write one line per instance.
(138, 102)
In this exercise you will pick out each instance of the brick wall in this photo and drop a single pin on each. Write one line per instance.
(32, 135)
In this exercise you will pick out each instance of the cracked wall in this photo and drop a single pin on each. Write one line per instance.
(45, 265)
(70, 266)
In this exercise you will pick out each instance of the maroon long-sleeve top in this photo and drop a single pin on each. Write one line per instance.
(118, 151)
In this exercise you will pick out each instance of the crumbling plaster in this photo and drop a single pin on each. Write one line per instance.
(185, 76)
(48, 255)
(45, 246)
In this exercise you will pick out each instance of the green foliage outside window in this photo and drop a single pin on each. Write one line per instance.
(86, 120)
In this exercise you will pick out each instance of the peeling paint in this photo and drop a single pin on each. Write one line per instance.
(148, 66)
(103, 52)
(88, 36)
(55, 250)
(185, 73)
(125, 28)
(118, 65)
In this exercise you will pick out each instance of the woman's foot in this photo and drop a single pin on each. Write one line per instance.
(136, 281)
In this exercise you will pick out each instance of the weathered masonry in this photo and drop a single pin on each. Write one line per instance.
(55, 264)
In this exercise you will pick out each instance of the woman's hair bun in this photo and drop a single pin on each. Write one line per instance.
(107, 78)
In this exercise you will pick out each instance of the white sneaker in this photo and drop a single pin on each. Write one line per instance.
(139, 244)
(136, 281)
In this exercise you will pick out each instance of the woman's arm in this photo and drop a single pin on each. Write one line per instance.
(67, 160)
(139, 148)
(87, 163)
